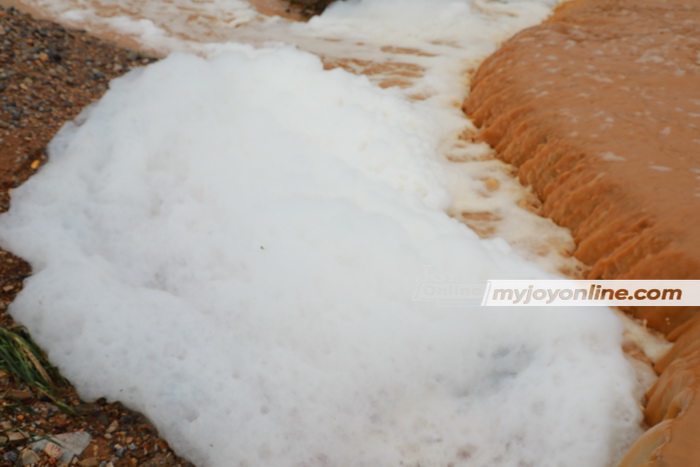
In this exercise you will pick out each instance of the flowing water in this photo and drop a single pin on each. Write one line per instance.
(243, 226)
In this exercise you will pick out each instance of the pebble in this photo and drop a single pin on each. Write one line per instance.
(112, 426)
(73, 443)
(70, 445)
(13, 436)
(28, 457)
(53, 450)
(91, 462)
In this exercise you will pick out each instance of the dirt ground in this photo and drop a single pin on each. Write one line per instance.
(48, 74)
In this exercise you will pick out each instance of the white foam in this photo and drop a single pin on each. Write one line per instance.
(231, 245)
(246, 249)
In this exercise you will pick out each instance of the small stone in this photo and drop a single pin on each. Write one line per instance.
(8, 288)
(158, 460)
(28, 457)
(162, 445)
(61, 420)
(43, 56)
(10, 456)
(16, 436)
(113, 426)
(99, 448)
(91, 462)
(73, 444)
(53, 450)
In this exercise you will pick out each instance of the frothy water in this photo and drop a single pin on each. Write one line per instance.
(242, 228)
(425, 49)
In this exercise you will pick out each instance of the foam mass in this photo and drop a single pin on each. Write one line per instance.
(232, 247)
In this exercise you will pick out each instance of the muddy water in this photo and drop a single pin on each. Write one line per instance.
(602, 117)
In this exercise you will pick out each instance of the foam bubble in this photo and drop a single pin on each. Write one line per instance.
(232, 247)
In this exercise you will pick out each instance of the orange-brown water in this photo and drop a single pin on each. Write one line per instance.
(599, 108)
(602, 117)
